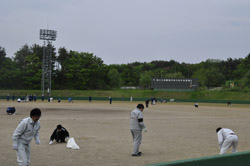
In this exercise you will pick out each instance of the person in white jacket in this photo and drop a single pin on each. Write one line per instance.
(22, 136)
(136, 127)
(226, 139)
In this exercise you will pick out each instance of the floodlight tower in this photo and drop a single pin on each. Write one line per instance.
(47, 36)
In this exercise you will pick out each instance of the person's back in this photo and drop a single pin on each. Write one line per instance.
(11, 110)
(134, 116)
(225, 132)
(226, 139)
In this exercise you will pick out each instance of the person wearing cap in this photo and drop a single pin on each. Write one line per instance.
(136, 127)
(22, 136)
(226, 139)
(60, 134)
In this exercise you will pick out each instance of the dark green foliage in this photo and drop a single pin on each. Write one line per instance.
(83, 71)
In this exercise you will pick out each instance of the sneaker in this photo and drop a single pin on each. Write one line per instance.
(137, 155)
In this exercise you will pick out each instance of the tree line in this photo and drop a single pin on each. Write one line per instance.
(84, 71)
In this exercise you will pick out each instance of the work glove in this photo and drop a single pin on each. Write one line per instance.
(50, 142)
(38, 142)
(145, 129)
(15, 147)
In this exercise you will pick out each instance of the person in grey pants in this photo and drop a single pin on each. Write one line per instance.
(136, 127)
(226, 139)
(22, 136)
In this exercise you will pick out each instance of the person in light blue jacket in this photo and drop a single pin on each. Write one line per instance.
(22, 136)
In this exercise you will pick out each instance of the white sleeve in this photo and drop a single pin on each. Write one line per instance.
(18, 132)
(220, 138)
(36, 136)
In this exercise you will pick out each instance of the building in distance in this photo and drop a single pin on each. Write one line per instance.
(174, 84)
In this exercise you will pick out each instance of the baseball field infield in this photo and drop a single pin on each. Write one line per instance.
(176, 131)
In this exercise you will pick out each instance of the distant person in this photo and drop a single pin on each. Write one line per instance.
(147, 102)
(70, 100)
(60, 134)
(11, 110)
(196, 105)
(226, 139)
(90, 98)
(13, 97)
(136, 127)
(42, 98)
(153, 100)
(25, 131)
(8, 97)
(34, 97)
(229, 103)
(27, 98)
(59, 100)
(110, 100)
(131, 99)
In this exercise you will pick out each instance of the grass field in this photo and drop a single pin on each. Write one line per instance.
(175, 131)
(204, 95)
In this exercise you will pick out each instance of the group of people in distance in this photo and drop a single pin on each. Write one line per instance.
(29, 128)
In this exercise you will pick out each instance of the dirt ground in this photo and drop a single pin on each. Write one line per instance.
(175, 132)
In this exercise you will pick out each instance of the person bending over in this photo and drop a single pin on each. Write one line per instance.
(60, 134)
(226, 139)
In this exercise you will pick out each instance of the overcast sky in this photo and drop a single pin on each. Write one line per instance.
(125, 31)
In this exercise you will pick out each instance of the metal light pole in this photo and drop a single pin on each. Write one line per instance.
(47, 36)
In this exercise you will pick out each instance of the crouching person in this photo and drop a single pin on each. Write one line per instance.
(226, 139)
(11, 110)
(60, 134)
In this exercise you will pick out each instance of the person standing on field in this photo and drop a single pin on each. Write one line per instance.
(42, 97)
(136, 127)
(226, 139)
(147, 101)
(110, 100)
(22, 136)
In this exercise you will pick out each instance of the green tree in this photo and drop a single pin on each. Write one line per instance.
(145, 80)
(114, 78)
(85, 71)
(33, 72)
(174, 75)
(201, 76)
(9, 75)
(2, 55)
(130, 76)
(214, 78)
(20, 56)
(244, 82)
(243, 67)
